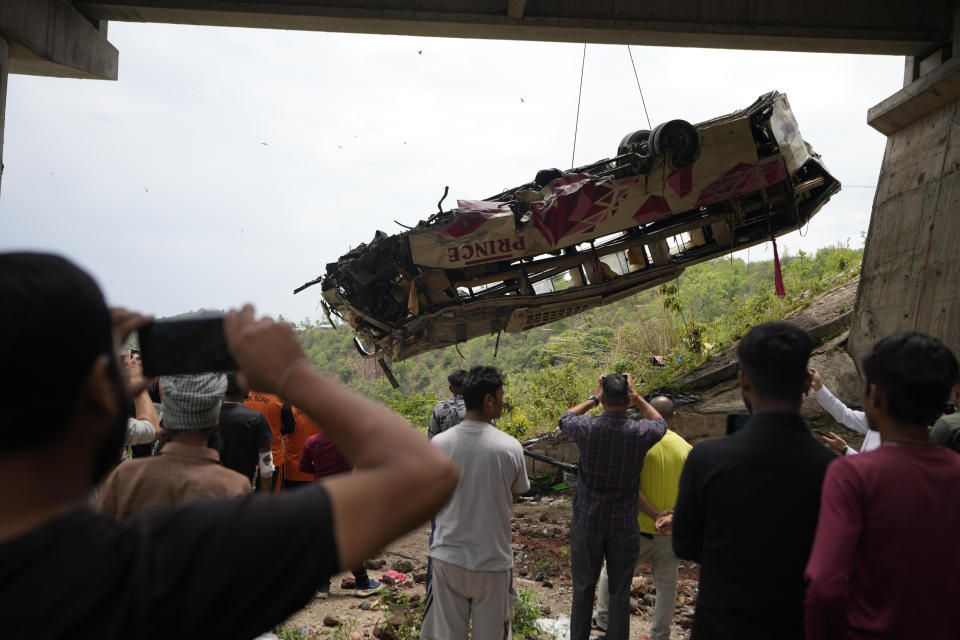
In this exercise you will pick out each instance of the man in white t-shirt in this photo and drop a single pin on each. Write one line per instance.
(471, 549)
(851, 418)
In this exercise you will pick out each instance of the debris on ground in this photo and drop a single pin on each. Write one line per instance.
(541, 543)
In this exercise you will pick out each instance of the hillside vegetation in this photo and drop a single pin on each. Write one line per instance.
(548, 368)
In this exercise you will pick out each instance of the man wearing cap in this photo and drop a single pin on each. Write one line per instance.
(187, 469)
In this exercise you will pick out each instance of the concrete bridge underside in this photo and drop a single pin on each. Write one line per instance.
(910, 270)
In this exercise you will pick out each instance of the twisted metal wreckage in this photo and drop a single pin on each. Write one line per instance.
(572, 240)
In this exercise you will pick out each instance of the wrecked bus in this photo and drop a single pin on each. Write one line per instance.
(581, 238)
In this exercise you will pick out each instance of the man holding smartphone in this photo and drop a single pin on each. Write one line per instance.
(659, 485)
(851, 418)
(182, 559)
(612, 448)
(144, 426)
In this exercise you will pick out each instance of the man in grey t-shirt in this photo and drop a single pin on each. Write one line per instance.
(471, 551)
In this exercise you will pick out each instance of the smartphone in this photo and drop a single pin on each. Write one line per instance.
(817, 431)
(193, 345)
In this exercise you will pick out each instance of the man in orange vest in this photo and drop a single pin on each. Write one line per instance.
(304, 427)
(281, 420)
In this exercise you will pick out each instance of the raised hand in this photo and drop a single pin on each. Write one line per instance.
(834, 441)
(267, 352)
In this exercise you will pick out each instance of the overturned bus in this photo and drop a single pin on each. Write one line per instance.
(571, 240)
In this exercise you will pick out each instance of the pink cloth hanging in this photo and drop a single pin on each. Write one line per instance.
(777, 274)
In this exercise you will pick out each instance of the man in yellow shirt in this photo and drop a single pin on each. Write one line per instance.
(659, 485)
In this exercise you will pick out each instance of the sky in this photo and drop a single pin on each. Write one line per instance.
(228, 166)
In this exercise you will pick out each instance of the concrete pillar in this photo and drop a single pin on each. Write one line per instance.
(4, 74)
(911, 268)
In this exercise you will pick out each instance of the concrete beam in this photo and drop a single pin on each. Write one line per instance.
(854, 26)
(929, 93)
(51, 38)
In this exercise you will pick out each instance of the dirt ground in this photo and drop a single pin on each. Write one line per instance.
(542, 565)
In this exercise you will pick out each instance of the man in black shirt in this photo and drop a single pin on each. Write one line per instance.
(748, 503)
(227, 568)
(243, 436)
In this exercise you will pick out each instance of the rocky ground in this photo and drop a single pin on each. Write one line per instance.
(542, 565)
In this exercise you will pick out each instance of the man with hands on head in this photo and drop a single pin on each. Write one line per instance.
(851, 418)
(181, 558)
(612, 449)
(659, 485)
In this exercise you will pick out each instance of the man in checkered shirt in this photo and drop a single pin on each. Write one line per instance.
(612, 448)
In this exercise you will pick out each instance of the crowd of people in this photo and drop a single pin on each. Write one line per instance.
(229, 567)
(254, 499)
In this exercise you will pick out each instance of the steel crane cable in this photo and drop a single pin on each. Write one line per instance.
(644, 102)
(576, 122)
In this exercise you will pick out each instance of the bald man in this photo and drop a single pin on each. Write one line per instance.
(659, 484)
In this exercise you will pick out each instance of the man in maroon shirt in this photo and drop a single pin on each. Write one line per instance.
(322, 458)
(884, 562)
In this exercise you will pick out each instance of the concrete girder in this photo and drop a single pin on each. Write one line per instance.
(929, 93)
(910, 269)
(855, 26)
(51, 38)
